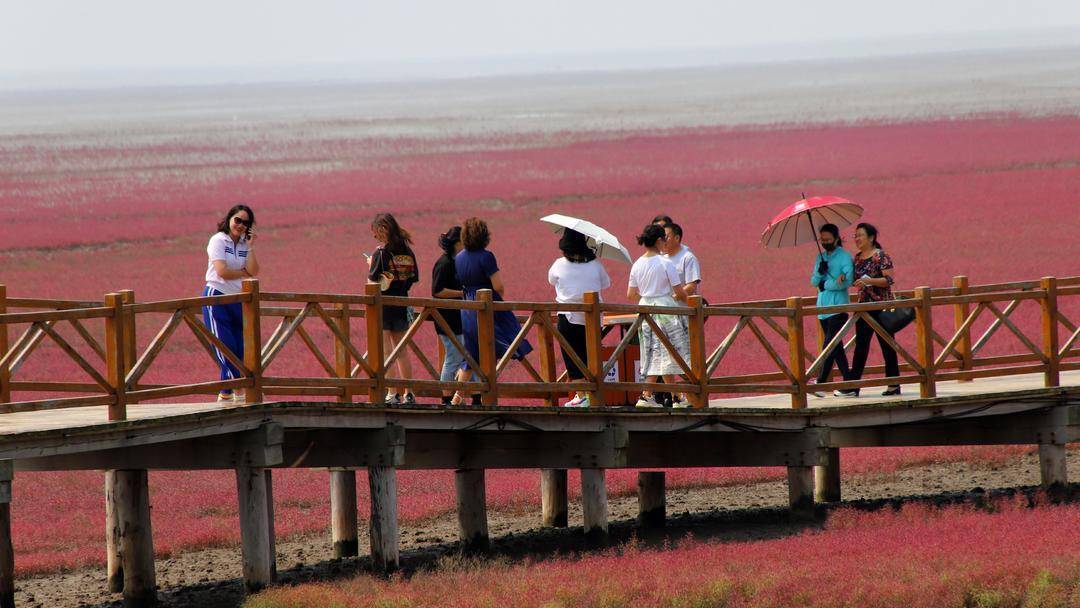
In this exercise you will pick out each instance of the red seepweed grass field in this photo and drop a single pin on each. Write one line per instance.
(994, 198)
(918, 556)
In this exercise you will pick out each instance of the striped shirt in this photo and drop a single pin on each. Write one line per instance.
(221, 247)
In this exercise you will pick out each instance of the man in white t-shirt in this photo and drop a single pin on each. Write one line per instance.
(686, 263)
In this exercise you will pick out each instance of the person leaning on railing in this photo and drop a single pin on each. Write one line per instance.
(574, 274)
(477, 269)
(393, 266)
(231, 259)
(874, 279)
(832, 275)
(654, 281)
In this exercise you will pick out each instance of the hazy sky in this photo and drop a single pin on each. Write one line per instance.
(77, 34)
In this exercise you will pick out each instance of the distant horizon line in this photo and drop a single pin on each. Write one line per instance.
(419, 70)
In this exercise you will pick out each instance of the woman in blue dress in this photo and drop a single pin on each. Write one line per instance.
(477, 269)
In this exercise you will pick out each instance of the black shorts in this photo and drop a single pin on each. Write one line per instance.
(395, 318)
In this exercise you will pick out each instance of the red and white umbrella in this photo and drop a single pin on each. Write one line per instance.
(801, 222)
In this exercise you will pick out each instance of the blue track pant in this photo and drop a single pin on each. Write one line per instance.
(226, 321)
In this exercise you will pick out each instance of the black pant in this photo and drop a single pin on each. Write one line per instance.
(863, 333)
(575, 335)
(830, 326)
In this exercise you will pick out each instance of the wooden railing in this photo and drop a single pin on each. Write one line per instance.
(352, 362)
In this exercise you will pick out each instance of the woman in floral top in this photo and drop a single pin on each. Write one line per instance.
(874, 280)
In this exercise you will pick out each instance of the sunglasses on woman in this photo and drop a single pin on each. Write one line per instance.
(241, 221)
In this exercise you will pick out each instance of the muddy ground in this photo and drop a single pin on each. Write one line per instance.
(211, 578)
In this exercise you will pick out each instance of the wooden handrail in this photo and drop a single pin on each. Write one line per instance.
(938, 354)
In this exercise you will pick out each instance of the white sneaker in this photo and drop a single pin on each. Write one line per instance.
(578, 402)
(649, 401)
(392, 399)
(224, 397)
(680, 403)
(813, 391)
(239, 396)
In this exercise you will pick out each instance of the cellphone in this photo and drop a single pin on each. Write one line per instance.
(367, 255)
(247, 233)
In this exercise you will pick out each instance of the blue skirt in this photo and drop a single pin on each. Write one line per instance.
(506, 329)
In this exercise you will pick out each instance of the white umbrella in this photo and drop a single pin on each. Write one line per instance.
(603, 242)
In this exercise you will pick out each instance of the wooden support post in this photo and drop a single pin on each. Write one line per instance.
(375, 356)
(795, 352)
(472, 510)
(546, 347)
(485, 331)
(924, 338)
(343, 517)
(801, 491)
(253, 340)
(1052, 377)
(594, 348)
(827, 477)
(5, 371)
(697, 352)
(594, 503)
(1052, 465)
(960, 314)
(136, 540)
(342, 361)
(256, 527)
(131, 351)
(7, 552)
(652, 504)
(114, 564)
(114, 356)
(385, 542)
(553, 500)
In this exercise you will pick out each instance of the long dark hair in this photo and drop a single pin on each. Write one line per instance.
(448, 239)
(397, 238)
(650, 234)
(835, 232)
(223, 225)
(872, 233)
(575, 247)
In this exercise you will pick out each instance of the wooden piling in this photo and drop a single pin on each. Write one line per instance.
(472, 510)
(553, 501)
(135, 537)
(385, 551)
(1052, 377)
(114, 564)
(827, 477)
(256, 527)
(652, 503)
(7, 552)
(343, 517)
(594, 503)
(1052, 465)
(801, 492)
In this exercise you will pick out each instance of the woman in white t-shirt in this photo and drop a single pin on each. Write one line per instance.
(573, 275)
(654, 281)
(231, 259)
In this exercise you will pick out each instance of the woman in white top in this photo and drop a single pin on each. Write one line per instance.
(573, 275)
(654, 281)
(231, 259)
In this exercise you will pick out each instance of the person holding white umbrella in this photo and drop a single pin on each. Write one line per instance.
(574, 274)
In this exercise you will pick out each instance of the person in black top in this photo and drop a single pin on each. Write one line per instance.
(445, 285)
(393, 266)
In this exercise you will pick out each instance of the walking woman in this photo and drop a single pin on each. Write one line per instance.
(654, 281)
(874, 279)
(393, 266)
(575, 273)
(445, 285)
(231, 259)
(477, 269)
(832, 276)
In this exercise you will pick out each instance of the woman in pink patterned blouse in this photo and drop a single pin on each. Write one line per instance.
(874, 280)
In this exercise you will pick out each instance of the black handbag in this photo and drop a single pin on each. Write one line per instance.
(895, 319)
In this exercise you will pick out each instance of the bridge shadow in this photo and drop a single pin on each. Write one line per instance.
(715, 526)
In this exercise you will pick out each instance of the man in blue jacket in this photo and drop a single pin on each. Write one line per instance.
(832, 276)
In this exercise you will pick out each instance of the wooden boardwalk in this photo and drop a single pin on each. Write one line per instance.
(954, 394)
